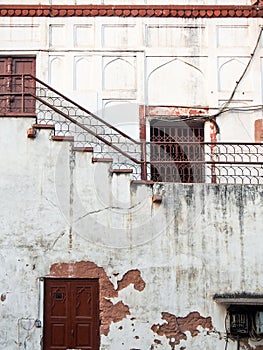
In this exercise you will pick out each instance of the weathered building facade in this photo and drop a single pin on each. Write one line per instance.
(131, 175)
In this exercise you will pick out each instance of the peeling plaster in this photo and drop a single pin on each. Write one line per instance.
(109, 312)
(175, 327)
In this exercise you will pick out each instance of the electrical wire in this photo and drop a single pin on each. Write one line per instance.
(225, 107)
(241, 77)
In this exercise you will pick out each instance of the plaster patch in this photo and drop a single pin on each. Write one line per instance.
(175, 327)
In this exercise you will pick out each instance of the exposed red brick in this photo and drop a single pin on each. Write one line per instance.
(134, 13)
(259, 130)
(31, 133)
(143, 13)
(175, 327)
(213, 132)
(94, 12)
(180, 13)
(172, 111)
(135, 10)
(158, 12)
(86, 12)
(132, 277)
(71, 12)
(39, 13)
(110, 12)
(63, 13)
(55, 12)
(112, 313)
(102, 12)
(150, 12)
(109, 312)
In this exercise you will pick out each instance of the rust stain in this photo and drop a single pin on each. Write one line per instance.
(109, 312)
(132, 277)
(175, 327)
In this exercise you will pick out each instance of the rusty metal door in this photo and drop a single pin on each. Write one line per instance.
(15, 87)
(71, 314)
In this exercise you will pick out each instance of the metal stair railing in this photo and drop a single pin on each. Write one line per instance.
(173, 161)
(31, 95)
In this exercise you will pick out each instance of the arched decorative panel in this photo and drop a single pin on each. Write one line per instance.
(119, 73)
(176, 82)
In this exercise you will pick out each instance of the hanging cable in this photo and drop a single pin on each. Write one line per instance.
(242, 76)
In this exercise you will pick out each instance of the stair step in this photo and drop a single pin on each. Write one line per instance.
(63, 138)
(31, 133)
(144, 182)
(44, 126)
(122, 171)
(100, 160)
(83, 149)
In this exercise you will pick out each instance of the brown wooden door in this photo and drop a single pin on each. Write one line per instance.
(17, 89)
(71, 314)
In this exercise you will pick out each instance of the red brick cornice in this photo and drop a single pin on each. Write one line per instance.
(130, 11)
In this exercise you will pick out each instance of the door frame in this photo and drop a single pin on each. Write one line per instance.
(43, 298)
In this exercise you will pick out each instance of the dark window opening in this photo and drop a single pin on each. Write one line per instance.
(177, 151)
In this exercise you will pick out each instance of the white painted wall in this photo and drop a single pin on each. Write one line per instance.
(111, 65)
(201, 240)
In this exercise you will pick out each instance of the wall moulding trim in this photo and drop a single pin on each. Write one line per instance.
(188, 11)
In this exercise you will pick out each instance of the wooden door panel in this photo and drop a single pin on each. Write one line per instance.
(4, 85)
(24, 103)
(71, 314)
(85, 316)
(16, 88)
(56, 314)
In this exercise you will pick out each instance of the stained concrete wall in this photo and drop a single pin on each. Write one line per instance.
(159, 263)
